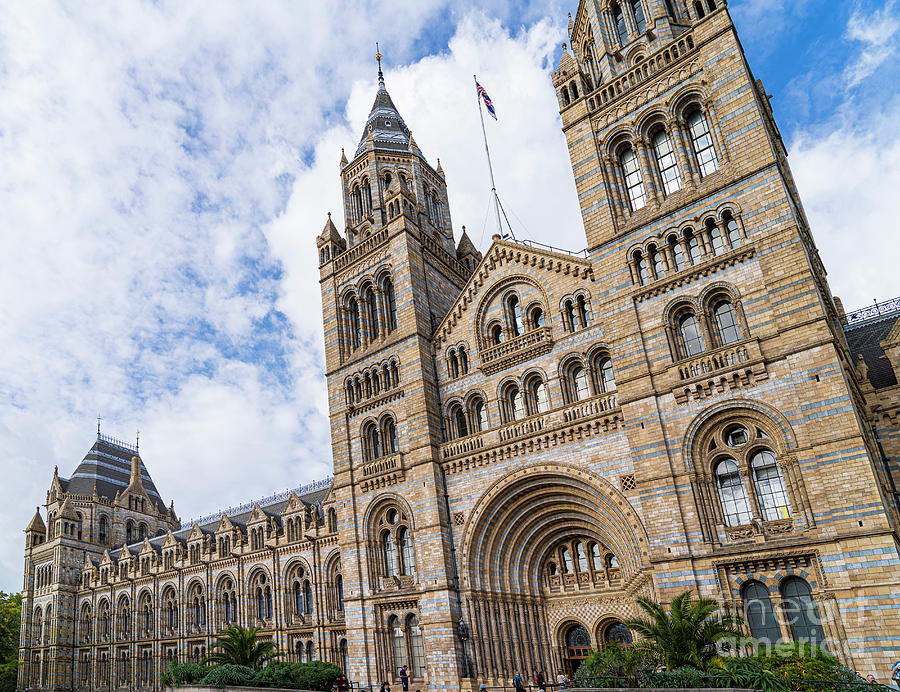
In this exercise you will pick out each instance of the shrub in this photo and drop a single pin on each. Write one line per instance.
(229, 674)
(279, 673)
(316, 675)
(617, 666)
(678, 678)
(8, 673)
(183, 674)
(803, 661)
(749, 673)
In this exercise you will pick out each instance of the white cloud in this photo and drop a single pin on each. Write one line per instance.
(878, 32)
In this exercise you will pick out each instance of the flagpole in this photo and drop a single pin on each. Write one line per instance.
(488, 152)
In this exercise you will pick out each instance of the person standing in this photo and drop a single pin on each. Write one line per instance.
(540, 681)
(404, 679)
(562, 681)
(518, 682)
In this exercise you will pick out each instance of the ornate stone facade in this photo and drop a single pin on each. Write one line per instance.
(526, 442)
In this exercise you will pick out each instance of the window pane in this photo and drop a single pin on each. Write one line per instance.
(694, 249)
(582, 557)
(769, 483)
(734, 233)
(643, 270)
(732, 494)
(678, 254)
(702, 142)
(540, 397)
(638, 10)
(801, 613)
(607, 376)
(566, 561)
(759, 614)
(634, 181)
(715, 239)
(665, 161)
(398, 639)
(727, 323)
(579, 383)
(690, 335)
(416, 647)
(621, 28)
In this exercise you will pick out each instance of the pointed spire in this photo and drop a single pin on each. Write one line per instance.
(330, 232)
(378, 57)
(135, 480)
(466, 248)
(384, 127)
(36, 525)
(344, 160)
(439, 170)
(570, 25)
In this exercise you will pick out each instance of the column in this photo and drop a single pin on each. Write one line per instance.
(647, 169)
(685, 160)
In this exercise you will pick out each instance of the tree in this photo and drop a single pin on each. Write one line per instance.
(688, 634)
(240, 646)
(10, 621)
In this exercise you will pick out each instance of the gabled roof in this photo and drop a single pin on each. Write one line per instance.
(505, 252)
(384, 124)
(36, 525)
(106, 468)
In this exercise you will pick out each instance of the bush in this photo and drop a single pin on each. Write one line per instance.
(229, 674)
(8, 673)
(183, 674)
(748, 673)
(803, 661)
(278, 673)
(678, 678)
(617, 666)
(316, 675)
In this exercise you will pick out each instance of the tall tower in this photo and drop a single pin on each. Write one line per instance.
(719, 310)
(385, 285)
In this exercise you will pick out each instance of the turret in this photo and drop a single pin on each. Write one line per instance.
(36, 531)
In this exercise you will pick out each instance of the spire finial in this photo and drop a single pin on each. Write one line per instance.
(99, 418)
(137, 440)
(378, 57)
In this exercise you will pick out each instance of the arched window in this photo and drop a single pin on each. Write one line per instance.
(570, 319)
(538, 401)
(372, 441)
(514, 314)
(665, 157)
(389, 551)
(732, 230)
(689, 330)
(458, 417)
(606, 377)
(715, 238)
(582, 557)
(573, 89)
(260, 603)
(677, 250)
(355, 336)
(698, 8)
(453, 364)
(670, 9)
(463, 361)
(372, 307)
(308, 597)
(512, 398)
(582, 311)
(769, 485)
(129, 532)
(536, 318)
(701, 139)
(643, 268)
(637, 10)
(342, 651)
(566, 561)
(310, 651)
(759, 615)
(577, 381)
(398, 642)
(634, 181)
(387, 288)
(298, 598)
(416, 647)
(800, 611)
(479, 415)
(693, 246)
(142, 530)
(407, 558)
(659, 264)
(732, 493)
(596, 558)
(726, 322)
(101, 533)
(496, 334)
(389, 429)
(621, 27)
(339, 591)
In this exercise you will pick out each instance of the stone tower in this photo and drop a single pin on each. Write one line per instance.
(385, 285)
(107, 502)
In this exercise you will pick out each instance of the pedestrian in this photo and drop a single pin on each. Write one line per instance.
(870, 678)
(518, 682)
(562, 681)
(481, 688)
(342, 684)
(404, 679)
(385, 687)
(540, 682)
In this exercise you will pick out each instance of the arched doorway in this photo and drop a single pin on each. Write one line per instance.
(578, 646)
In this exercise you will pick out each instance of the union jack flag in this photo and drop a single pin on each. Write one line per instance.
(487, 100)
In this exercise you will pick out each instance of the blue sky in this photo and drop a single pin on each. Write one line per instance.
(166, 170)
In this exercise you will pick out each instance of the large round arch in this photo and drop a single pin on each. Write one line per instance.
(521, 517)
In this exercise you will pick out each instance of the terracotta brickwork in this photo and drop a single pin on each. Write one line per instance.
(527, 441)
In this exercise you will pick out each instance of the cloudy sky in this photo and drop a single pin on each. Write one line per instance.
(166, 167)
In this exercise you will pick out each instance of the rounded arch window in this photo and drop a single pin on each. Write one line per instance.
(539, 401)
(512, 398)
(701, 141)
(617, 633)
(458, 416)
(689, 331)
(666, 163)
(726, 321)
(578, 636)
(566, 560)
(758, 613)
(495, 334)
(389, 549)
(732, 230)
(479, 415)
(769, 485)
(536, 317)
(801, 612)
(578, 382)
(736, 436)
(677, 250)
(514, 315)
(634, 179)
(732, 493)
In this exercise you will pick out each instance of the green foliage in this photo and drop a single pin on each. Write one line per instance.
(748, 673)
(228, 675)
(10, 620)
(239, 645)
(615, 665)
(316, 675)
(675, 679)
(689, 634)
(183, 674)
(803, 661)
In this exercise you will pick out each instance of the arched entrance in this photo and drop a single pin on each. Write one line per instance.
(577, 648)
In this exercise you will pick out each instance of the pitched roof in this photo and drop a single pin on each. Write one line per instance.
(384, 123)
(107, 468)
(865, 337)
(36, 525)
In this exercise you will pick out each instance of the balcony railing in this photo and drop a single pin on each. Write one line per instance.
(591, 407)
(382, 472)
(383, 465)
(521, 428)
(713, 361)
(347, 258)
(517, 350)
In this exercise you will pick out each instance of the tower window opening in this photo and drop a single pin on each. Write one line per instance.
(666, 162)
(637, 9)
(702, 142)
(634, 181)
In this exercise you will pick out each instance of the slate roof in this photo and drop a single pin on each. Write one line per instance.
(384, 121)
(864, 337)
(107, 467)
